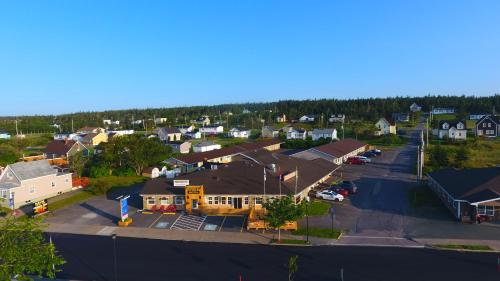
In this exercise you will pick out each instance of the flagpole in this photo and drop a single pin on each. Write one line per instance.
(296, 182)
(264, 185)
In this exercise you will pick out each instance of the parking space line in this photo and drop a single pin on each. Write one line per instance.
(243, 224)
(222, 223)
(155, 221)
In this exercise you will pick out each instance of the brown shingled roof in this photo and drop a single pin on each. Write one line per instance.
(340, 148)
(59, 147)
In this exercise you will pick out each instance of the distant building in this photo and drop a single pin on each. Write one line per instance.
(90, 130)
(476, 116)
(281, 118)
(94, 139)
(160, 120)
(193, 134)
(443, 110)
(296, 134)
(186, 129)
(136, 122)
(401, 117)
(246, 111)
(64, 149)
(385, 126)
(4, 135)
(337, 118)
(269, 132)
(202, 120)
(110, 122)
(306, 119)
(324, 133)
(211, 130)
(206, 146)
(452, 129)
(487, 126)
(239, 133)
(182, 147)
(151, 172)
(25, 183)
(169, 134)
(415, 107)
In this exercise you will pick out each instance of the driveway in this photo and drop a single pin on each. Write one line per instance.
(381, 207)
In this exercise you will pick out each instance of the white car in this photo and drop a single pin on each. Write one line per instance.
(364, 159)
(329, 195)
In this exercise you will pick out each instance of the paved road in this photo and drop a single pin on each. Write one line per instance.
(91, 258)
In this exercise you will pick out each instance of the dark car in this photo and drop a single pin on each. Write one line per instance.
(375, 151)
(354, 161)
(369, 154)
(348, 185)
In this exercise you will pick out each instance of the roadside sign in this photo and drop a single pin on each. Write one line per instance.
(40, 207)
(124, 207)
(11, 200)
(181, 182)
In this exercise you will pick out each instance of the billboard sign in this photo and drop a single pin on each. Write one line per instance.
(40, 207)
(124, 207)
(181, 182)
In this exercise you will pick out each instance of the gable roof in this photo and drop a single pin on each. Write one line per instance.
(493, 118)
(340, 148)
(388, 120)
(270, 128)
(33, 169)
(323, 131)
(89, 137)
(453, 124)
(59, 147)
(472, 185)
(169, 130)
(205, 143)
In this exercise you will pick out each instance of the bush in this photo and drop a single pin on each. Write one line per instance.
(124, 172)
(99, 171)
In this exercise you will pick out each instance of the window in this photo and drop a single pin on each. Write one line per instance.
(258, 200)
(210, 201)
(223, 200)
(4, 193)
(179, 200)
(246, 200)
(229, 201)
(489, 125)
(164, 201)
(32, 189)
(151, 201)
(486, 210)
(216, 200)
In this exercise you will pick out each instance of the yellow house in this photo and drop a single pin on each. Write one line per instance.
(95, 139)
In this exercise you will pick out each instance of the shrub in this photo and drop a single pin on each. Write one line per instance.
(124, 172)
(99, 171)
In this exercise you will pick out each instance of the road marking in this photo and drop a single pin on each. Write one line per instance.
(155, 221)
(243, 224)
(222, 224)
(106, 231)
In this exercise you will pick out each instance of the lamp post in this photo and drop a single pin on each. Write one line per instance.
(307, 218)
(115, 265)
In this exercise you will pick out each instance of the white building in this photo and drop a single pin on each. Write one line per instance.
(443, 110)
(337, 118)
(239, 133)
(452, 129)
(385, 126)
(324, 133)
(415, 107)
(306, 119)
(193, 135)
(211, 130)
(206, 146)
(296, 134)
(110, 122)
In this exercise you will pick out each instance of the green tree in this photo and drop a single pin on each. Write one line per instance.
(77, 163)
(143, 152)
(8, 155)
(462, 155)
(439, 157)
(281, 210)
(24, 251)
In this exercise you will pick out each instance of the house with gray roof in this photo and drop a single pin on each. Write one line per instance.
(24, 183)
(324, 133)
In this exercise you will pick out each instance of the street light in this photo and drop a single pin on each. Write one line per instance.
(115, 265)
(307, 218)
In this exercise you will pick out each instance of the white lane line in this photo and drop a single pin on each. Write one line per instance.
(155, 221)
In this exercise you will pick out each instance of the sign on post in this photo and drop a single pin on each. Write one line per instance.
(124, 207)
(40, 207)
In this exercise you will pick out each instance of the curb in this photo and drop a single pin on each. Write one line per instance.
(462, 250)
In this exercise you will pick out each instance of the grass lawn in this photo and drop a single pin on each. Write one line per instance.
(289, 241)
(103, 185)
(319, 232)
(318, 208)
(76, 198)
(444, 116)
(422, 196)
(464, 247)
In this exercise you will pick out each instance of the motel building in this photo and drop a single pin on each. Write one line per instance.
(238, 187)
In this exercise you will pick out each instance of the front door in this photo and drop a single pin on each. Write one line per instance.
(237, 202)
(194, 204)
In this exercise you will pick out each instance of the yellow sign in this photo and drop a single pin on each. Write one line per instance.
(194, 197)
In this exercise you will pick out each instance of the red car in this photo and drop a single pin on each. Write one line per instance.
(339, 190)
(354, 161)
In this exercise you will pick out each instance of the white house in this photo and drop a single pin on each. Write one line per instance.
(324, 133)
(202, 120)
(281, 118)
(160, 120)
(206, 146)
(415, 107)
(269, 132)
(306, 118)
(337, 118)
(452, 129)
(110, 122)
(4, 135)
(193, 134)
(169, 134)
(186, 129)
(296, 134)
(476, 116)
(385, 126)
(443, 110)
(211, 130)
(239, 133)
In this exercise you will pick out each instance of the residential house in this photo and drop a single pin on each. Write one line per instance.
(110, 122)
(469, 192)
(94, 139)
(324, 133)
(246, 111)
(169, 134)
(25, 183)
(180, 146)
(487, 126)
(452, 129)
(91, 130)
(151, 172)
(476, 116)
(336, 152)
(193, 134)
(306, 119)
(401, 117)
(4, 135)
(281, 118)
(202, 120)
(385, 126)
(415, 107)
(296, 134)
(119, 133)
(211, 130)
(269, 132)
(136, 122)
(443, 110)
(213, 191)
(64, 149)
(206, 146)
(337, 118)
(160, 120)
(239, 133)
(186, 129)
(65, 136)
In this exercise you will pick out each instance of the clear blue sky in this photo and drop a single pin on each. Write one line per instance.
(66, 56)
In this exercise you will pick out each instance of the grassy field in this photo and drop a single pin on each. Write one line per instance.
(318, 208)
(422, 196)
(464, 247)
(319, 232)
(444, 117)
(76, 198)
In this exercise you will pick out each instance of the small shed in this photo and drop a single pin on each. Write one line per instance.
(151, 172)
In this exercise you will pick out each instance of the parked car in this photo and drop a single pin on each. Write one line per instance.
(376, 151)
(369, 154)
(342, 191)
(364, 159)
(330, 195)
(348, 185)
(354, 161)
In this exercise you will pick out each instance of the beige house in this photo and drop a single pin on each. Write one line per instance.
(24, 183)
(385, 126)
(95, 139)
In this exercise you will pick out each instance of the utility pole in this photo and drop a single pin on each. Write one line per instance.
(17, 132)
(418, 163)
(427, 125)
(72, 126)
